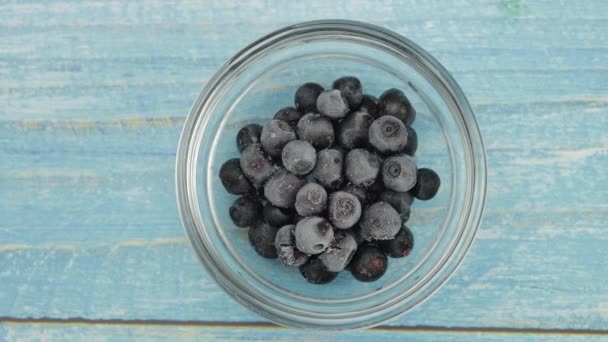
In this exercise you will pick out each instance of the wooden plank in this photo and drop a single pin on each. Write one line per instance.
(526, 270)
(123, 332)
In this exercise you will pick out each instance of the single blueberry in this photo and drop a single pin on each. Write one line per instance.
(299, 157)
(412, 142)
(275, 135)
(380, 221)
(316, 129)
(353, 131)
(369, 104)
(344, 209)
(328, 168)
(427, 184)
(399, 172)
(245, 211)
(261, 237)
(361, 167)
(332, 104)
(285, 244)
(311, 199)
(394, 103)
(401, 245)
(315, 272)
(351, 88)
(256, 165)
(369, 263)
(277, 217)
(282, 187)
(388, 134)
(340, 252)
(313, 234)
(233, 179)
(248, 135)
(306, 97)
(289, 115)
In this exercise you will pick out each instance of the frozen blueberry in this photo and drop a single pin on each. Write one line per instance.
(401, 201)
(299, 157)
(233, 179)
(359, 192)
(340, 252)
(328, 169)
(412, 142)
(256, 165)
(282, 187)
(369, 263)
(311, 199)
(369, 104)
(353, 131)
(261, 237)
(394, 103)
(427, 184)
(387, 134)
(306, 97)
(313, 234)
(285, 244)
(332, 104)
(245, 211)
(275, 135)
(379, 221)
(351, 88)
(399, 172)
(401, 245)
(343, 210)
(289, 115)
(315, 272)
(316, 129)
(277, 217)
(361, 167)
(248, 135)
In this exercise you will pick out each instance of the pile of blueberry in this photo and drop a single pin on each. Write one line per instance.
(328, 185)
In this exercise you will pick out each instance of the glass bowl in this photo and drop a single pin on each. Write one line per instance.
(262, 78)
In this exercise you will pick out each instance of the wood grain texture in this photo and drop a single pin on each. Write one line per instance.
(93, 95)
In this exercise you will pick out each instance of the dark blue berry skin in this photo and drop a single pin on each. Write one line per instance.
(277, 217)
(316, 129)
(369, 263)
(299, 157)
(374, 190)
(248, 135)
(427, 184)
(412, 142)
(275, 135)
(261, 237)
(361, 167)
(245, 211)
(328, 169)
(399, 172)
(394, 103)
(351, 88)
(353, 131)
(306, 97)
(255, 165)
(369, 104)
(358, 191)
(333, 104)
(289, 115)
(315, 272)
(401, 246)
(233, 179)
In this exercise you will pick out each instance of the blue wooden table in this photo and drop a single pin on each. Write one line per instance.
(92, 98)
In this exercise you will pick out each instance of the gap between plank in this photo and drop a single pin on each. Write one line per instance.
(267, 325)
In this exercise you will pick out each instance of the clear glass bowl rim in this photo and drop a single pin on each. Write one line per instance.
(186, 171)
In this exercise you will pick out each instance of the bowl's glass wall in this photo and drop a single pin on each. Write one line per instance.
(263, 83)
